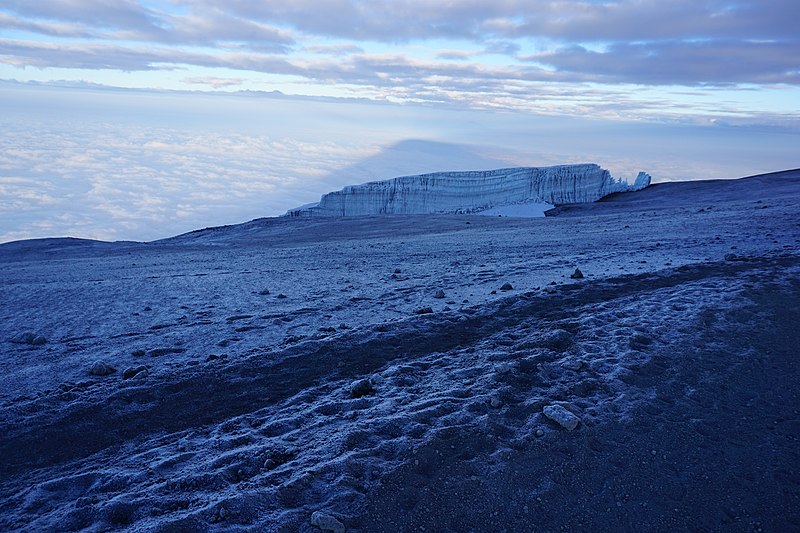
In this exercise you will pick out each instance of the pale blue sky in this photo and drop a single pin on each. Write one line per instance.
(643, 59)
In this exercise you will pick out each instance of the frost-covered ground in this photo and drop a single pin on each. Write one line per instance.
(234, 349)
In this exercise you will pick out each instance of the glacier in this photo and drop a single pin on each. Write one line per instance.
(472, 191)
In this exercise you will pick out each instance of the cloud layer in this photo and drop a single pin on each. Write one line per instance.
(140, 165)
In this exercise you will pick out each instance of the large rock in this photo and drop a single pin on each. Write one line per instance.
(29, 337)
(99, 368)
(471, 191)
(326, 522)
(561, 416)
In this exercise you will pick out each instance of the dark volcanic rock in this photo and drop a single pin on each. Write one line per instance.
(100, 368)
(562, 416)
(157, 352)
(326, 522)
(360, 388)
(29, 337)
(558, 340)
(132, 372)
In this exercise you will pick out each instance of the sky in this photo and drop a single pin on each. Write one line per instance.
(136, 119)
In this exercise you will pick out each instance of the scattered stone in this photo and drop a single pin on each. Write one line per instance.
(137, 353)
(29, 337)
(731, 257)
(562, 416)
(211, 357)
(504, 368)
(495, 402)
(148, 308)
(640, 341)
(439, 294)
(506, 287)
(326, 522)
(99, 368)
(158, 352)
(343, 326)
(493, 292)
(281, 296)
(558, 340)
(327, 329)
(572, 364)
(540, 432)
(423, 311)
(264, 292)
(397, 271)
(360, 388)
(577, 274)
(134, 372)
(223, 343)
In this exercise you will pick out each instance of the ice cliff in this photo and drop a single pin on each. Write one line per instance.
(472, 191)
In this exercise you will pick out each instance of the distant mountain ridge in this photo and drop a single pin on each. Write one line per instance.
(472, 191)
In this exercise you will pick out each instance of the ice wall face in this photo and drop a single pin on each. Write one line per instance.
(470, 191)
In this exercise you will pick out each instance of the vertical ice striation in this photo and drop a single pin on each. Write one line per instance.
(471, 191)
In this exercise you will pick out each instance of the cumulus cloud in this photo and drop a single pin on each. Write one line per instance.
(216, 83)
(333, 49)
(405, 20)
(630, 41)
(664, 63)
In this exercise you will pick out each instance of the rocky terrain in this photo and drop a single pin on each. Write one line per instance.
(624, 365)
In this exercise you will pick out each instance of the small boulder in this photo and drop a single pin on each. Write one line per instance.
(439, 294)
(557, 340)
(360, 388)
(100, 368)
(561, 416)
(29, 337)
(577, 274)
(423, 311)
(264, 292)
(572, 364)
(281, 296)
(134, 372)
(506, 287)
(495, 402)
(326, 522)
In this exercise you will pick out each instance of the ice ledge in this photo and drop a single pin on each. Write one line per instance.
(473, 191)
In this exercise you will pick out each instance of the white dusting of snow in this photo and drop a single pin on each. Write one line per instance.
(252, 336)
